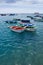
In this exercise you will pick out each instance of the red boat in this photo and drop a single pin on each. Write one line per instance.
(17, 28)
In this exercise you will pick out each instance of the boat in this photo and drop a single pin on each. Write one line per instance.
(3, 14)
(11, 14)
(40, 19)
(29, 26)
(10, 21)
(25, 22)
(15, 19)
(30, 17)
(37, 13)
(17, 29)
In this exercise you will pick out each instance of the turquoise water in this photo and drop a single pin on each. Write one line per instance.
(20, 49)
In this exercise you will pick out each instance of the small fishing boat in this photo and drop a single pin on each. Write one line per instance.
(10, 21)
(17, 29)
(40, 19)
(29, 26)
(3, 14)
(15, 19)
(25, 22)
(30, 17)
(11, 14)
(37, 13)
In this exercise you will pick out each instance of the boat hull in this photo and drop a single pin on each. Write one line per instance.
(40, 20)
(19, 30)
(30, 29)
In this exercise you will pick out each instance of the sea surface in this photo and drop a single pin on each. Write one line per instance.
(20, 48)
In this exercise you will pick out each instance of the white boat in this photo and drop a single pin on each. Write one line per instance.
(30, 29)
(38, 19)
(17, 29)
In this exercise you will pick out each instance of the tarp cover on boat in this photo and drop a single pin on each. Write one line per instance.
(28, 24)
(25, 21)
